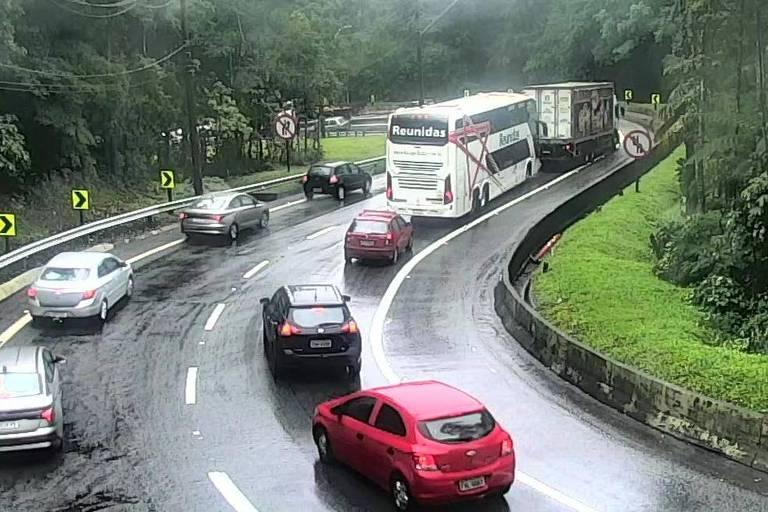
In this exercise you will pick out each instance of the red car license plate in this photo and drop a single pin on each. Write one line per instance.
(472, 483)
(366, 243)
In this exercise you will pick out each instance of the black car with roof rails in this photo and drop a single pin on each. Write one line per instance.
(307, 325)
(336, 179)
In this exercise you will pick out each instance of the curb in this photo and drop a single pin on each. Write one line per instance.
(735, 432)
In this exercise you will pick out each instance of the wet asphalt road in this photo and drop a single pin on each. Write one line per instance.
(134, 445)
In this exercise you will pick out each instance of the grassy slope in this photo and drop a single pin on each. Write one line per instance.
(603, 291)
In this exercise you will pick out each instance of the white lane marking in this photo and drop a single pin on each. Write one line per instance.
(380, 317)
(155, 250)
(231, 493)
(255, 269)
(287, 205)
(190, 390)
(211, 323)
(553, 493)
(321, 232)
(18, 325)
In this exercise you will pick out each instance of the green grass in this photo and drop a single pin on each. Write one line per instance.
(602, 289)
(353, 148)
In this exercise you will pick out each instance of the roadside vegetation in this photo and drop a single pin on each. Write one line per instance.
(603, 288)
(47, 209)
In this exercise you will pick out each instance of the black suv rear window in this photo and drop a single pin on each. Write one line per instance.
(459, 429)
(320, 171)
(317, 316)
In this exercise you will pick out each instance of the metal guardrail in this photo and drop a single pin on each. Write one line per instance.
(39, 246)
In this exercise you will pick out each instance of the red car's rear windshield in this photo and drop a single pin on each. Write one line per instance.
(459, 429)
(369, 226)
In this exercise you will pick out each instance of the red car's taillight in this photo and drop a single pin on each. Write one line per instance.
(424, 462)
(288, 329)
(48, 415)
(389, 186)
(334, 180)
(447, 193)
(507, 448)
(350, 327)
(388, 239)
(89, 294)
(31, 292)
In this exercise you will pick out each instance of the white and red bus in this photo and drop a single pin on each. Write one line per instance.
(452, 158)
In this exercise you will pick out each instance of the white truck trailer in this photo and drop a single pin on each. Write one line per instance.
(578, 121)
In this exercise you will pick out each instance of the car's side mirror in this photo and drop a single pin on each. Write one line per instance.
(338, 411)
(59, 360)
(123, 264)
(264, 300)
(346, 298)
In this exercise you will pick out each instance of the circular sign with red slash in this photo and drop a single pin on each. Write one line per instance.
(638, 144)
(286, 126)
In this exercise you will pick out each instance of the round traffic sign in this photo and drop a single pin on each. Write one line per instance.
(286, 126)
(637, 144)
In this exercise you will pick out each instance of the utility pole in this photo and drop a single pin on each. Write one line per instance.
(420, 44)
(189, 93)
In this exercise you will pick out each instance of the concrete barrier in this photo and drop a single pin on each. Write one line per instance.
(735, 432)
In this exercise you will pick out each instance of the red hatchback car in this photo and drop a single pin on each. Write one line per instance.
(425, 442)
(378, 235)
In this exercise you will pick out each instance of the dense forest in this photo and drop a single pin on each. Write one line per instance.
(94, 90)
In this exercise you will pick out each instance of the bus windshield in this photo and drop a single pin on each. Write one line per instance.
(419, 129)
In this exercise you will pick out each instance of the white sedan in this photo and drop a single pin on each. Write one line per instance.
(80, 285)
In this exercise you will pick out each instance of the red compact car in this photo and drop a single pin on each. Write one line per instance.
(378, 235)
(425, 442)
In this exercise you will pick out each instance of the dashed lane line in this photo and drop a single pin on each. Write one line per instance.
(155, 250)
(255, 270)
(230, 492)
(217, 311)
(321, 232)
(190, 389)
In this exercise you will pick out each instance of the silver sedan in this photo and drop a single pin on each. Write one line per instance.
(30, 399)
(224, 214)
(80, 285)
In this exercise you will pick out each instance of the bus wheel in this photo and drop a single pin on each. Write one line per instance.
(486, 195)
(476, 201)
(528, 170)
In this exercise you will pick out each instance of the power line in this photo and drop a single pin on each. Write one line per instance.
(97, 75)
(98, 16)
(120, 3)
(32, 88)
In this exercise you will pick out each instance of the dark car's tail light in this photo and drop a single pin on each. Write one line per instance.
(447, 193)
(389, 186)
(288, 329)
(89, 294)
(424, 462)
(304, 179)
(350, 327)
(507, 447)
(183, 216)
(48, 415)
(31, 292)
(217, 218)
(334, 180)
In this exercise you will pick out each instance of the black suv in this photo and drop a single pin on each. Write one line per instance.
(337, 179)
(310, 324)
